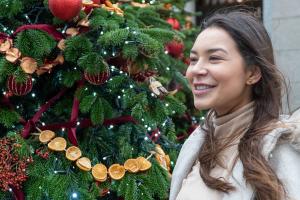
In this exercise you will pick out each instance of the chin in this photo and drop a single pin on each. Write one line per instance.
(201, 105)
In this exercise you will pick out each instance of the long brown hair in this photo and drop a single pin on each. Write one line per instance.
(254, 44)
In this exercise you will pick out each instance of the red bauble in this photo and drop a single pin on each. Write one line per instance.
(19, 89)
(175, 49)
(65, 9)
(96, 79)
(174, 23)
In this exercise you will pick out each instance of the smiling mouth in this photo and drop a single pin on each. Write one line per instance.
(202, 89)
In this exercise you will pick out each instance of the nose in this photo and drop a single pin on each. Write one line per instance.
(198, 68)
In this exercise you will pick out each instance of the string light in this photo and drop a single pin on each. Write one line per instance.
(146, 138)
(149, 129)
(166, 52)
(74, 195)
(131, 86)
(78, 123)
(168, 68)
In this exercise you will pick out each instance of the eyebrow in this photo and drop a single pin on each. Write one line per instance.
(208, 51)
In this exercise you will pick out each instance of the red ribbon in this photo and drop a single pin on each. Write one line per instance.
(31, 123)
(18, 194)
(74, 115)
(3, 36)
(88, 123)
(51, 30)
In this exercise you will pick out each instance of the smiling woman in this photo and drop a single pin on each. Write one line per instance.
(244, 149)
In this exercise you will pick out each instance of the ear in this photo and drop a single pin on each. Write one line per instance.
(253, 75)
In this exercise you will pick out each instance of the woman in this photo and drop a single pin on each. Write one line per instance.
(244, 150)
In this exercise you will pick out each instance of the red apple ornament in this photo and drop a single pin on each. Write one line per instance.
(65, 9)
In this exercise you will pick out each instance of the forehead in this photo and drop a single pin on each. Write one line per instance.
(214, 38)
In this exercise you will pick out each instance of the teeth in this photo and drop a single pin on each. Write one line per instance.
(203, 87)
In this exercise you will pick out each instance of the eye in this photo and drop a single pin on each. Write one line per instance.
(193, 60)
(215, 59)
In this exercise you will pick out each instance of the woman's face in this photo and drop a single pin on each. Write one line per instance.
(217, 73)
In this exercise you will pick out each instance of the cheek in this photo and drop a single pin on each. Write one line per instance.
(188, 74)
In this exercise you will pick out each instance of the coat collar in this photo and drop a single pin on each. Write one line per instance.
(189, 154)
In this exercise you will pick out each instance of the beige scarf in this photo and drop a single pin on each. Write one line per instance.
(236, 123)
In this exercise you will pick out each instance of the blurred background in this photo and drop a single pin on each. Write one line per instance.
(282, 20)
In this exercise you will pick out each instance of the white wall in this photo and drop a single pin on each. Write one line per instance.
(282, 19)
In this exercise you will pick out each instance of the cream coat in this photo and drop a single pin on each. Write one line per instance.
(283, 157)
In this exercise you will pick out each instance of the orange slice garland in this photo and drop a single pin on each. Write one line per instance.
(132, 165)
(84, 163)
(73, 153)
(144, 163)
(116, 171)
(99, 172)
(46, 136)
(57, 144)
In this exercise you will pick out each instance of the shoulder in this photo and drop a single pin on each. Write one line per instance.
(282, 148)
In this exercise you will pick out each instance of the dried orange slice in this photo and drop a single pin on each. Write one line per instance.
(159, 150)
(144, 163)
(99, 172)
(46, 136)
(73, 153)
(161, 160)
(168, 162)
(84, 164)
(116, 171)
(132, 165)
(57, 144)
(12, 55)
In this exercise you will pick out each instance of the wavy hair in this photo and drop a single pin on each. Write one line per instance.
(254, 44)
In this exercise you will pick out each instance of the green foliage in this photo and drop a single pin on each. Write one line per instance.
(12, 8)
(149, 46)
(87, 102)
(117, 82)
(97, 114)
(114, 38)
(34, 43)
(130, 51)
(8, 117)
(70, 77)
(92, 63)
(6, 68)
(76, 47)
(139, 38)
(159, 34)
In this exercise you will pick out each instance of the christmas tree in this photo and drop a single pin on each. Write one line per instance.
(90, 93)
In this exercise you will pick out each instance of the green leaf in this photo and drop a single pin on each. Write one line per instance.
(97, 114)
(8, 117)
(86, 103)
